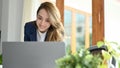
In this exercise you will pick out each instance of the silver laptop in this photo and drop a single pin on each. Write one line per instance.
(32, 54)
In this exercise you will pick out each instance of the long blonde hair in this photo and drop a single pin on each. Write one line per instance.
(56, 30)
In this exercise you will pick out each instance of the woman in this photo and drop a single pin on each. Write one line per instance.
(47, 26)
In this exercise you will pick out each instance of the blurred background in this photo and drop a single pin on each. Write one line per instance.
(77, 20)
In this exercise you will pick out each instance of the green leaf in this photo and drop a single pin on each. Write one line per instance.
(77, 57)
(88, 57)
(69, 66)
(78, 65)
(103, 66)
(100, 43)
(106, 55)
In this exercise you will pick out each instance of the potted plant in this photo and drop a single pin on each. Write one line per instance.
(112, 53)
(84, 59)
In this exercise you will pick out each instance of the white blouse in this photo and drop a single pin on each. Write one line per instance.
(41, 36)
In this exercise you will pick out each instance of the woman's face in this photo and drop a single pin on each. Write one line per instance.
(43, 22)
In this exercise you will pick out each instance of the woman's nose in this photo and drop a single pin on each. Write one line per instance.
(42, 22)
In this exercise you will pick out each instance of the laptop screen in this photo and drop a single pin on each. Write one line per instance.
(32, 54)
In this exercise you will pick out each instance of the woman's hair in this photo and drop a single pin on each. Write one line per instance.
(56, 30)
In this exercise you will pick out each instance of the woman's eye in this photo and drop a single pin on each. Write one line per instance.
(39, 18)
(47, 21)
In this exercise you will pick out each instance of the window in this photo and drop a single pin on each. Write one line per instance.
(77, 27)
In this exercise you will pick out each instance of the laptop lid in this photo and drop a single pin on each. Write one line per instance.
(32, 54)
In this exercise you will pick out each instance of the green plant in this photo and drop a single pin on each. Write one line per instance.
(84, 59)
(1, 59)
(113, 50)
(81, 59)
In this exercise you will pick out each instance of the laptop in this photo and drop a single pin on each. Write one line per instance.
(32, 54)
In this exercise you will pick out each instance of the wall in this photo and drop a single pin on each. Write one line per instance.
(12, 11)
(0, 25)
(112, 20)
(0, 12)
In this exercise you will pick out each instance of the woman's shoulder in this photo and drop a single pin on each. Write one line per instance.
(30, 26)
(31, 23)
